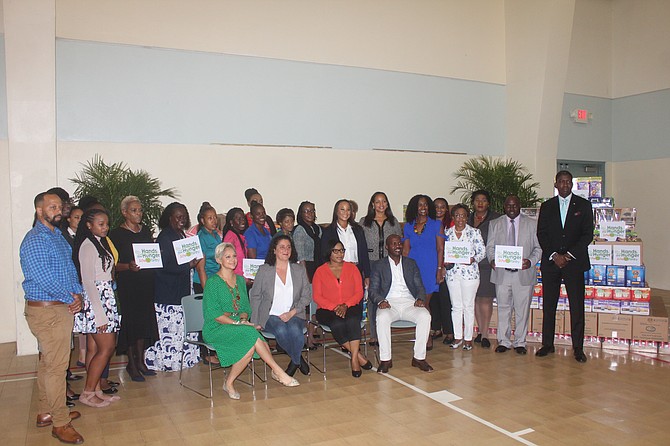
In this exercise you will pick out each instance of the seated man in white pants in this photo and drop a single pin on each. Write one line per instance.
(397, 290)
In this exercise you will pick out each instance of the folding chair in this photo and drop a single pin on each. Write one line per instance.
(193, 322)
(399, 324)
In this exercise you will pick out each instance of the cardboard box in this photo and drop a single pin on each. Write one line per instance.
(606, 306)
(536, 322)
(598, 275)
(615, 326)
(616, 275)
(600, 254)
(621, 293)
(635, 308)
(640, 294)
(648, 328)
(635, 276)
(590, 324)
(625, 244)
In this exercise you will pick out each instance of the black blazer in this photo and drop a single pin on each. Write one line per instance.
(380, 282)
(330, 233)
(575, 237)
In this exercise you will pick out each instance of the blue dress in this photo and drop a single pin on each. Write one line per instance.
(423, 249)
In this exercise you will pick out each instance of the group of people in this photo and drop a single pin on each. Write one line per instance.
(402, 268)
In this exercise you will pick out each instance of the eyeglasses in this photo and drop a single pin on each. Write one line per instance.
(339, 251)
(308, 211)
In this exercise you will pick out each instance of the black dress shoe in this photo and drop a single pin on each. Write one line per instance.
(521, 350)
(73, 397)
(110, 391)
(356, 373)
(69, 404)
(580, 356)
(448, 341)
(112, 383)
(501, 349)
(367, 365)
(486, 343)
(71, 377)
(545, 350)
(384, 366)
(291, 369)
(304, 367)
(478, 338)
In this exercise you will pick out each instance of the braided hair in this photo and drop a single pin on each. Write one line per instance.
(229, 224)
(84, 233)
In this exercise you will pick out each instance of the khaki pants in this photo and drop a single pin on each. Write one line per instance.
(52, 326)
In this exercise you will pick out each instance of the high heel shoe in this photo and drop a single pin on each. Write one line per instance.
(456, 344)
(85, 398)
(356, 373)
(110, 398)
(367, 365)
(232, 395)
(292, 383)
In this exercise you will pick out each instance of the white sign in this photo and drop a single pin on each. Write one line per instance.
(250, 267)
(147, 255)
(187, 249)
(626, 255)
(613, 230)
(509, 257)
(600, 254)
(457, 252)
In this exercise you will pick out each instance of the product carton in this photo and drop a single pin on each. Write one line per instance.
(649, 328)
(616, 275)
(538, 272)
(588, 305)
(589, 292)
(635, 308)
(617, 248)
(606, 306)
(640, 294)
(590, 324)
(537, 289)
(602, 293)
(615, 326)
(563, 292)
(535, 302)
(536, 322)
(621, 293)
(600, 254)
(635, 276)
(598, 275)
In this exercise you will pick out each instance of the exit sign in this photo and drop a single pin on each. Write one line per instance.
(580, 115)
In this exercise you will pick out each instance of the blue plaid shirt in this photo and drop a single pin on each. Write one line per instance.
(46, 261)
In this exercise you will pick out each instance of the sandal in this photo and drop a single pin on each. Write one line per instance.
(231, 395)
(85, 398)
(292, 383)
(105, 397)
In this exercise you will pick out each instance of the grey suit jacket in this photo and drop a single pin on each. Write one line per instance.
(527, 237)
(263, 290)
(380, 281)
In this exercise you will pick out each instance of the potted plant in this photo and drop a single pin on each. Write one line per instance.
(498, 176)
(111, 183)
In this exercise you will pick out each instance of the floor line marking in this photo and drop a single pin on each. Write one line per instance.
(524, 432)
(513, 435)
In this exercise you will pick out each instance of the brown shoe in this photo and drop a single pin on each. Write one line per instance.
(422, 365)
(67, 434)
(44, 419)
(384, 366)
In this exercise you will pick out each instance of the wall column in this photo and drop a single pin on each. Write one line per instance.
(30, 50)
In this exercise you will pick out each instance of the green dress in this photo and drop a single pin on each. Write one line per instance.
(230, 341)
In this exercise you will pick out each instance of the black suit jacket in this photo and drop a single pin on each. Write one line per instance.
(380, 282)
(330, 233)
(575, 237)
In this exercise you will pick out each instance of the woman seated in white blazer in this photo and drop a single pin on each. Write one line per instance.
(280, 293)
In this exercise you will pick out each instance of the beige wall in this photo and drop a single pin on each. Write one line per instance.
(450, 38)
(284, 176)
(640, 39)
(644, 184)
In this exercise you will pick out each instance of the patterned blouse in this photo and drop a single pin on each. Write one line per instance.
(472, 235)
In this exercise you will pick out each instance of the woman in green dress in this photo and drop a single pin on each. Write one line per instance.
(227, 328)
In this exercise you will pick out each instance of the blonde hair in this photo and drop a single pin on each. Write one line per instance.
(218, 252)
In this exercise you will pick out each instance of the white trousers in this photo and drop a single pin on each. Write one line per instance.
(462, 293)
(402, 309)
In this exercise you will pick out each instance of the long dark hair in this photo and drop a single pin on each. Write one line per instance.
(351, 220)
(229, 224)
(367, 221)
(271, 257)
(268, 219)
(446, 220)
(84, 233)
(164, 221)
(413, 208)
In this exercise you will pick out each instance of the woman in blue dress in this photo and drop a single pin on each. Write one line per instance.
(424, 242)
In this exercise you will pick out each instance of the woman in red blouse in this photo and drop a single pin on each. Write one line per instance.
(337, 288)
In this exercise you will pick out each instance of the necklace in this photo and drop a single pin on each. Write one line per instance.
(125, 225)
(417, 230)
(235, 293)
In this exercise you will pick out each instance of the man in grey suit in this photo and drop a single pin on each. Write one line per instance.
(397, 290)
(514, 287)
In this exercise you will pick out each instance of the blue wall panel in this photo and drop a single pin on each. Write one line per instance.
(121, 93)
(588, 142)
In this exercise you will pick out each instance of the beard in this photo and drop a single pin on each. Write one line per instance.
(55, 220)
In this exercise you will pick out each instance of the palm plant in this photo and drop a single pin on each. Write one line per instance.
(111, 183)
(499, 177)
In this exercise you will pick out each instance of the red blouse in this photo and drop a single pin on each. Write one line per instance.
(328, 292)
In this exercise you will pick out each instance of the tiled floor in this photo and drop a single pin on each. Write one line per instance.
(477, 397)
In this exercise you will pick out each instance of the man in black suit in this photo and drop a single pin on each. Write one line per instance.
(397, 290)
(564, 230)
